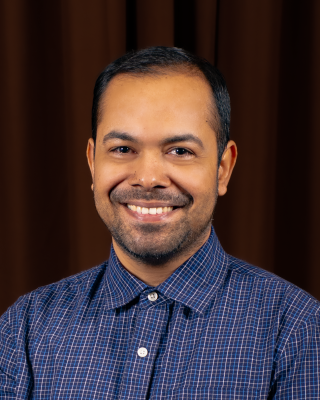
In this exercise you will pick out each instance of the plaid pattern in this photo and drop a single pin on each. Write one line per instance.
(220, 329)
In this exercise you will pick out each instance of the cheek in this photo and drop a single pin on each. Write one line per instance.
(198, 180)
(107, 176)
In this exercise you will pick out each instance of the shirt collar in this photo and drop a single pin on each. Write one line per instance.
(121, 286)
(194, 283)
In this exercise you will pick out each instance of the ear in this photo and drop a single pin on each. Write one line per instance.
(227, 164)
(90, 157)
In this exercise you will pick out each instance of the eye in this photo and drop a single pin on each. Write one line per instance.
(180, 152)
(121, 150)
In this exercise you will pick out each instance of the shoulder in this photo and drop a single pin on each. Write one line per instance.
(294, 306)
(45, 308)
(57, 297)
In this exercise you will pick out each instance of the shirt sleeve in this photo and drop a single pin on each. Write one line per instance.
(297, 375)
(7, 360)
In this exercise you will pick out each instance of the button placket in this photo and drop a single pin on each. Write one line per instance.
(150, 325)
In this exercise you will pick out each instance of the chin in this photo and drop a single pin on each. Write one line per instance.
(154, 247)
(152, 253)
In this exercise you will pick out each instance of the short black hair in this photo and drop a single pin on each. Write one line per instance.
(157, 60)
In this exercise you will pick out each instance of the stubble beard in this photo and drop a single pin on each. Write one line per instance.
(150, 243)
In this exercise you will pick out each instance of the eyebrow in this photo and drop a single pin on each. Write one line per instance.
(186, 137)
(118, 135)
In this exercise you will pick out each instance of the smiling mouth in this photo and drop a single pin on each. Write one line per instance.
(152, 210)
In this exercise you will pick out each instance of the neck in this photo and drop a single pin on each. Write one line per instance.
(154, 275)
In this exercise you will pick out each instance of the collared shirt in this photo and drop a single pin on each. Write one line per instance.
(217, 328)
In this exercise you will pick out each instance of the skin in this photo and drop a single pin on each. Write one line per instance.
(156, 147)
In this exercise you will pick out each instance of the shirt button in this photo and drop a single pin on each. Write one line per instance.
(153, 296)
(142, 352)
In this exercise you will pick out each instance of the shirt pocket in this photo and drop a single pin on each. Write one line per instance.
(213, 392)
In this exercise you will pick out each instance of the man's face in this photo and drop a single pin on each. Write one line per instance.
(155, 165)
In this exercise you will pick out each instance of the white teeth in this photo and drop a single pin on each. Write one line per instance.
(152, 211)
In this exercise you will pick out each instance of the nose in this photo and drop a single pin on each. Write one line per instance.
(149, 172)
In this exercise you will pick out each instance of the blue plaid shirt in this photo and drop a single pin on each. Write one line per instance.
(217, 328)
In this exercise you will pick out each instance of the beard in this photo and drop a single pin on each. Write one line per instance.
(156, 243)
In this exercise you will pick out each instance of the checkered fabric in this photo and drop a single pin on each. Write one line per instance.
(219, 329)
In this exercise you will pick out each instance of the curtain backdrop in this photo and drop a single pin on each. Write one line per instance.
(51, 54)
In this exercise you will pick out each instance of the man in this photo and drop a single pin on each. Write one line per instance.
(170, 315)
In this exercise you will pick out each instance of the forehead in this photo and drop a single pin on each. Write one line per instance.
(157, 102)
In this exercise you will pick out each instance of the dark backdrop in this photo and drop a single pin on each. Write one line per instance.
(51, 54)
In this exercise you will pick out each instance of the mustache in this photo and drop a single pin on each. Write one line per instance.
(156, 194)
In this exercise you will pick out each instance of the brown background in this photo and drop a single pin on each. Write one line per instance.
(51, 54)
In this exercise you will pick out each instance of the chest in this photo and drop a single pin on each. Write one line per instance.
(161, 351)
